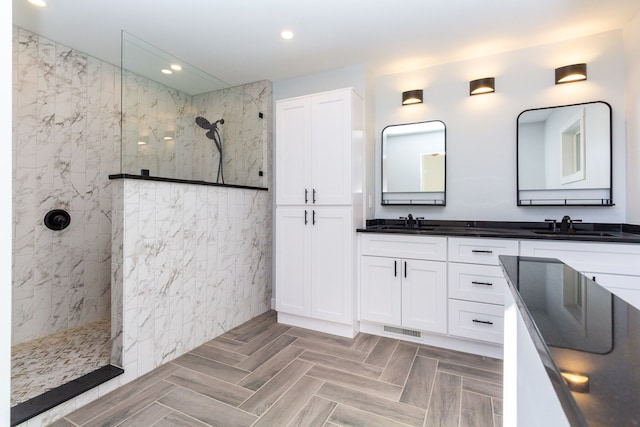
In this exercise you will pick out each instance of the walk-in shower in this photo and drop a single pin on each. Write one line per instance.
(65, 142)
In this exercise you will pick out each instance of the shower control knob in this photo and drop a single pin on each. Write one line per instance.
(57, 219)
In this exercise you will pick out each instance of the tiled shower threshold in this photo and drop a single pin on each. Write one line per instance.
(56, 396)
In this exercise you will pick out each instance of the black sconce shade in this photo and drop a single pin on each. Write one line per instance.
(480, 86)
(412, 97)
(571, 73)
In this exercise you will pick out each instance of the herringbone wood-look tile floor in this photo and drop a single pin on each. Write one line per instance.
(267, 374)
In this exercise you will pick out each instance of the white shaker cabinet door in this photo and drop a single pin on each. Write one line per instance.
(331, 269)
(293, 151)
(293, 285)
(424, 295)
(331, 148)
(381, 290)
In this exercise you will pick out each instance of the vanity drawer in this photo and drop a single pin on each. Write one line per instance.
(404, 246)
(480, 283)
(480, 251)
(484, 322)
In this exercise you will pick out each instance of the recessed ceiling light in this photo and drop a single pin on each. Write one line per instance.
(166, 71)
(287, 35)
(39, 3)
(176, 67)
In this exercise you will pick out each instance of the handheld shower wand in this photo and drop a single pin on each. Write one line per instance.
(213, 134)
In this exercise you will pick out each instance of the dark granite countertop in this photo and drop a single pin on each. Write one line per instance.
(590, 232)
(579, 327)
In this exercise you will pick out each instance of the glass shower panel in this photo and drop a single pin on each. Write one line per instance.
(161, 98)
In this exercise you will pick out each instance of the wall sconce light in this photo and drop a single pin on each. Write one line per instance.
(412, 97)
(576, 382)
(481, 86)
(571, 73)
(143, 140)
(169, 135)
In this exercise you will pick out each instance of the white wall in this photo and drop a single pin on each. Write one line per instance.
(632, 47)
(353, 76)
(5, 212)
(481, 130)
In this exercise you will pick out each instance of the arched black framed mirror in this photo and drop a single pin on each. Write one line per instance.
(564, 155)
(414, 164)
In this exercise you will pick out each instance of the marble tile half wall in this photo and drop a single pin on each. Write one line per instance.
(194, 261)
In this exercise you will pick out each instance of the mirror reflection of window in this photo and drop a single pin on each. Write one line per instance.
(432, 172)
(573, 151)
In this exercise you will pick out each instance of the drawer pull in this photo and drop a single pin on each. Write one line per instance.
(480, 251)
(482, 283)
(405, 269)
(486, 322)
(395, 268)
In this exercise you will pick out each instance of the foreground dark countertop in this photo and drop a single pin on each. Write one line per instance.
(579, 327)
(590, 232)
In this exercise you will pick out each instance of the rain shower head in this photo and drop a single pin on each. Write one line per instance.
(205, 124)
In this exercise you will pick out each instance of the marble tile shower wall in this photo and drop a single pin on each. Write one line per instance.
(151, 109)
(66, 143)
(242, 134)
(194, 262)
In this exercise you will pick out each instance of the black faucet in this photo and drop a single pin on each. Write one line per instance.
(409, 221)
(565, 224)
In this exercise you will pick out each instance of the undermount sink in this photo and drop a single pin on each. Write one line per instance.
(576, 233)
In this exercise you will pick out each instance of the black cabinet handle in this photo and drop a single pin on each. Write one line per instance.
(478, 251)
(306, 196)
(486, 322)
(482, 283)
(405, 269)
(313, 217)
(314, 196)
(306, 220)
(594, 278)
(395, 268)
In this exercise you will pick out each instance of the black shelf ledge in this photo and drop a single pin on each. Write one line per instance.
(183, 181)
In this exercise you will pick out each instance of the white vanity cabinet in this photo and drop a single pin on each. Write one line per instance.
(615, 266)
(403, 281)
(319, 151)
(477, 286)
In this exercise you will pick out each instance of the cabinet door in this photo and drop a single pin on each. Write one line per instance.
(380, 290)
(331, 148)
(293, 141)
(331, 264)
(293, 285)
(424, 295)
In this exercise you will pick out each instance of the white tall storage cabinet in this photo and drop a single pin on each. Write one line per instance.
(319, 205)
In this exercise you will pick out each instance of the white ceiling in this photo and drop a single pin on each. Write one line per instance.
(238, 40)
